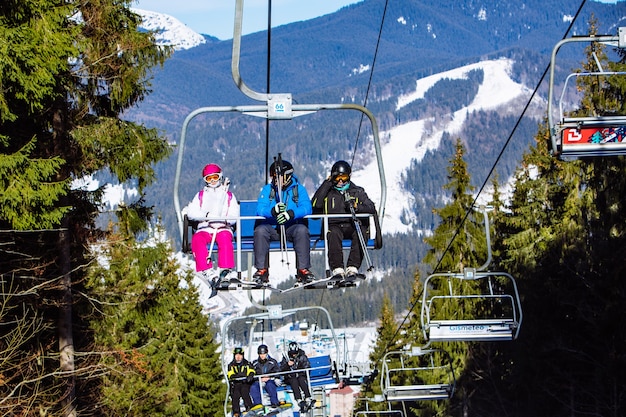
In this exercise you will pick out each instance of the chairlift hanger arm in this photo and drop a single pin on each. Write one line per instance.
(287, 110)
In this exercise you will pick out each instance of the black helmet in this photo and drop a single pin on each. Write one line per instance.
(340, 167)
(238, 351)
(262, 349)
(286, 172)
(286, 168)
(293, 348)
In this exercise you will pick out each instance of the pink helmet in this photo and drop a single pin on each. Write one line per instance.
(211, 169)
(212, 175)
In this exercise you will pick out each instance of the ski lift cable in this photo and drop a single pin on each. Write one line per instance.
(369, 82)
(406, 317)
(269, 55)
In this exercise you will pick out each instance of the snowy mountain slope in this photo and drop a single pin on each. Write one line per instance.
(169, 30)
(410, 141)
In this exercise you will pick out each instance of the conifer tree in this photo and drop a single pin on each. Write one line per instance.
(158, 348)
(386, 340)
(68, 70)
(566, 221)
(458, 242)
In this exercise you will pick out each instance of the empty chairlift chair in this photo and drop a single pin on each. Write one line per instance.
(417, 375)
(595, 134)
(472, 305)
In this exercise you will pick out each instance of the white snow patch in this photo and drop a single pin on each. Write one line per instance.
(405, 143)
(169, 30)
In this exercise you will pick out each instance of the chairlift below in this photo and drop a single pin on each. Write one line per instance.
(417, 375)
(310, 327)
(472, 305)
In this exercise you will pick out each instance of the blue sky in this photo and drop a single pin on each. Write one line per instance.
(216, 17)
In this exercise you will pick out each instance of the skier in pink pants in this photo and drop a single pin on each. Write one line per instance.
(216, 208)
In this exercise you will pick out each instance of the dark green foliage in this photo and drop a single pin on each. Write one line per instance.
(65, 84)
(155, 339)
(565, 224)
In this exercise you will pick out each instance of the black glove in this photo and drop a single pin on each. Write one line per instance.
(250, 379)
(349, 202)
(284, 217)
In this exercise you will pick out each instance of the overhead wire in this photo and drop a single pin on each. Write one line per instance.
(267, 86)
(369, 82)
(529, 101)
(367, 91)
(267, 120)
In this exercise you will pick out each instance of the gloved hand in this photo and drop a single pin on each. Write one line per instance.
(349, 202)
(278, 208)
(284, 217)
(250, 379)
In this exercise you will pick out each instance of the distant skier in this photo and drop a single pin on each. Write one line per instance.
(240, 376)
(263, 366)
(296, 360)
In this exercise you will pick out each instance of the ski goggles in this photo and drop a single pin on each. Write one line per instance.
(342, 177)
(286, 177)
(212, 177)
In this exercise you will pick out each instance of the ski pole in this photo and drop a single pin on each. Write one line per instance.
(278, 168)
(359, 232)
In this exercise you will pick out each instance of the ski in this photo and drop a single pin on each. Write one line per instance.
(237, 284)
(262, 411)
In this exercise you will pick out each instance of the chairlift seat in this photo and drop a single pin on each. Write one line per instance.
(418, 392)
(471, 330)
(322, 372)
(248, 217)
(248, 212)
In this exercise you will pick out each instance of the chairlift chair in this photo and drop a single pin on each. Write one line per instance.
(472, 305)
(275, 106)
(310, 326)
(417, 375)
(589, 135)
